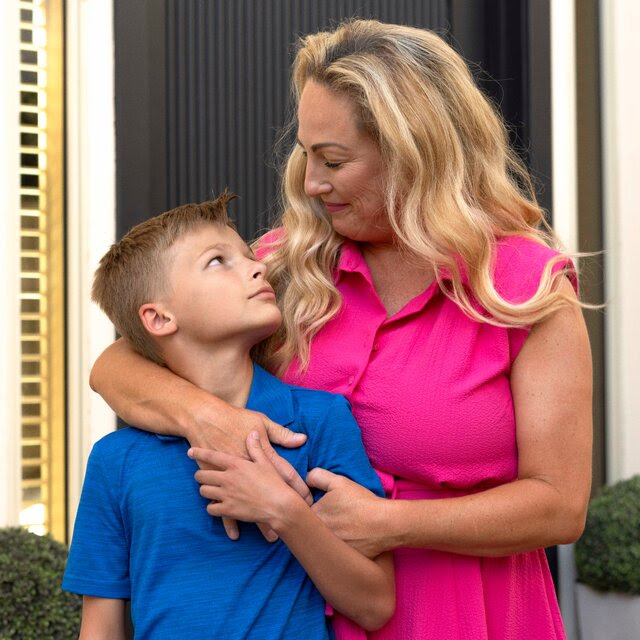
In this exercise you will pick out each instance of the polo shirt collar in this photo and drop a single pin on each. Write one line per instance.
(352, 261)
(271, 397)
(267, 395)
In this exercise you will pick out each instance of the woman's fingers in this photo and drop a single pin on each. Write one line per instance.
(254, 448)
(283, 436)
(323, 479)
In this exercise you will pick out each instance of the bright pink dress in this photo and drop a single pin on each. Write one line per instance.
(430, 389)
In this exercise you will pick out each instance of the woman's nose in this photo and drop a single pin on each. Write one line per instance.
(315, 183)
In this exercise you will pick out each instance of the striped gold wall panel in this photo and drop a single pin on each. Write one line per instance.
(41, 268)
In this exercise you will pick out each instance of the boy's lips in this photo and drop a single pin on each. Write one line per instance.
(264, 292)
(334, 207)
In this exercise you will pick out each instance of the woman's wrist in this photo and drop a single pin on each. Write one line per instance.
(199, 413)
(386, 524)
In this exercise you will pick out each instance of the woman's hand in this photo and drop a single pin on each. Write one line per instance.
(352, 512)
(249, 490)
(222, 427)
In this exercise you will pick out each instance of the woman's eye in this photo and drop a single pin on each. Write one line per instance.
(332, 165)
(214, 261)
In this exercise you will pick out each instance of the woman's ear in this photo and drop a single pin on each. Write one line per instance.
(157, 320)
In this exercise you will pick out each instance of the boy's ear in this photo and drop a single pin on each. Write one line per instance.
(157, 320)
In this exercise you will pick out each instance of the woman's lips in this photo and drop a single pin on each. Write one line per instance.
(335, 207)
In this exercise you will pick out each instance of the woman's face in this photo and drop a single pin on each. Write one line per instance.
(344, 169)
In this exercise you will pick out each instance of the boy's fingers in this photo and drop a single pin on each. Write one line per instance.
(210, 458)
(231, 527)
(261, 450)
(283, 436)
(269, 534)
(322, 479)
(207, 477)
(289, 475)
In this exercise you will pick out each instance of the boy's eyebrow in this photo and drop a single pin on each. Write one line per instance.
(219, 246)
(322, 145)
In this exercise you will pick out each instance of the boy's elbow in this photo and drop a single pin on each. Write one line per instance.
(380, 613)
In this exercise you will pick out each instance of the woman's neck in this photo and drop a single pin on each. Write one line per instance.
(397, 276)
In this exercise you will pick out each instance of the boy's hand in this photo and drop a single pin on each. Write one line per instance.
(260, 490)
(227, 431)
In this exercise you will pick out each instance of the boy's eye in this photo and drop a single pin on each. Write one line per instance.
(214, 261)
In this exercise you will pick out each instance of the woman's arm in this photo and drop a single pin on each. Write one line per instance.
(102, 619)
(154, 398)
(360, 588)
(545, 505)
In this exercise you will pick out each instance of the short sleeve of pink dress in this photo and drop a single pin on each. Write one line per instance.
(430, 390)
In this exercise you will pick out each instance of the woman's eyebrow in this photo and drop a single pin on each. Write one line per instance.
(322, 145)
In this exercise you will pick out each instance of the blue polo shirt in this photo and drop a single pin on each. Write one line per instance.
(142, 531)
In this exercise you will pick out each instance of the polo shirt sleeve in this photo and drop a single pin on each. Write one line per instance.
(519, 266)
(336, 445)
(98, 563)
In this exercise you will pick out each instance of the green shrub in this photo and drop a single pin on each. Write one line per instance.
(32, 603)
(608, 553)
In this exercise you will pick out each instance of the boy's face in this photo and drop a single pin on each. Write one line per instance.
(218, 288)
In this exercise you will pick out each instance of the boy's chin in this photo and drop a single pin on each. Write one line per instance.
(267, 329)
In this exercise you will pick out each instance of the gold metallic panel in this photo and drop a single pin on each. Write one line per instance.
(41, 214)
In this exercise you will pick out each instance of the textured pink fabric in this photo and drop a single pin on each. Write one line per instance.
(430, 390)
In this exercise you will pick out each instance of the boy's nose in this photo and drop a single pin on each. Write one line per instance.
(259, 269)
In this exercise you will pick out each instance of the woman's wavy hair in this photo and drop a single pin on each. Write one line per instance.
(454, 185)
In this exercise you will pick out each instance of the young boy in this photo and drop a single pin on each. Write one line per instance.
(187, 292)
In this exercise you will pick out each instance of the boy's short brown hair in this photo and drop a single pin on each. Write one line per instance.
(134, 270)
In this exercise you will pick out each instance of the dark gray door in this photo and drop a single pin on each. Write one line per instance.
(202, 89)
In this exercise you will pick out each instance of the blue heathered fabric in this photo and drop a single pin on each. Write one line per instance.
(142, 531)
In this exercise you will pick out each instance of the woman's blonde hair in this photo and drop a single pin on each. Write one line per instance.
(454, 185)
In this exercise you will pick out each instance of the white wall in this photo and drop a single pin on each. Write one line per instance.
(564, 206)
(620, 47)
(90, 218)
(9, 265)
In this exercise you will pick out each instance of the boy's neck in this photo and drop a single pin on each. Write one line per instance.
(226, 372)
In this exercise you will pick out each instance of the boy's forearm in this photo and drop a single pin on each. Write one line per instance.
(360, 588)
(102, 619)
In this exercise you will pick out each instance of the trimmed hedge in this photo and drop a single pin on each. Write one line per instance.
(32, 603)
(608, 553)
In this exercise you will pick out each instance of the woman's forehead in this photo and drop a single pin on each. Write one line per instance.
(321, 110)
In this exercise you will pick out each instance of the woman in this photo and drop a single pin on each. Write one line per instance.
(414, 279)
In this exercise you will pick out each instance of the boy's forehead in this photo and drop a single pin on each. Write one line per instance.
(209, 235)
